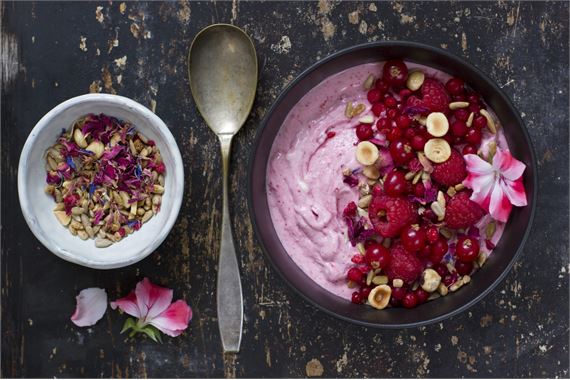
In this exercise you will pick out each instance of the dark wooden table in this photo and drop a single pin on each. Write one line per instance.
(54, 51)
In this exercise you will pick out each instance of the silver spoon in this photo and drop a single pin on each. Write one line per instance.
(222, 67)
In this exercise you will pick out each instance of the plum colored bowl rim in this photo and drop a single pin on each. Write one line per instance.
(410, 45)
(156, 122)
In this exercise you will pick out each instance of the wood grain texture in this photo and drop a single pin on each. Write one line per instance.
(54, 51)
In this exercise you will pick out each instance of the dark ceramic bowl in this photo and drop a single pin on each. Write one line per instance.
(508, 248)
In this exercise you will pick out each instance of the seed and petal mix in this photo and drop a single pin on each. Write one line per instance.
(106, 178)
(437, 184)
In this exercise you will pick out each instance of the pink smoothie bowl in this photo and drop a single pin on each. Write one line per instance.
(509, 247)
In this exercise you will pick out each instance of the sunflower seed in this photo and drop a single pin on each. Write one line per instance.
(369, 82)
(490, 121)
(397, 283)
(369, 277)
(438, 210)
(358, 109)
(469, 121)
(442, 289)
(441, 199)
(142, 137)
(146, 217)
(380, 280)
(102, 243)
(77, 225)
(157, 189)
(366, 119)
(77, 211)
(83, 235)
(459, 187)
(457, 105)
(417, 177)
(348, 110)
(490, 230)
(51, 163)
(73, 231)
(409, 175)
(364, 202)
(161, 180)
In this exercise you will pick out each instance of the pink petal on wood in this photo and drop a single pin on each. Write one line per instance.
(174, 320)
(152, 299)
(128, 304)
(91, 306)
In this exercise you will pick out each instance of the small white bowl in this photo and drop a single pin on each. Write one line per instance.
(37, 206)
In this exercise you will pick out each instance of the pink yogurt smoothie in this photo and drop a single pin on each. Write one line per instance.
(305, 188)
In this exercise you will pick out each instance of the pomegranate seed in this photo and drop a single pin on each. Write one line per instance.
(463, 268)
(458, 128)
(357, 259)
(421, 295)
(404, 93)
(438, 250)
(122, 232)
(410, 301)
(430, 215)
(474, 107)
(395, 183)
(364, 132)
(473, 136)
(432, 234)
(467, 249)
(461, 114)
(448, 280)
(383, 123)
(377, 256)
(394, 134)
(469, 149)
(473, 99)
(425, 253)
(382, 86)
(403, 121)
(378, 108)
(392, 113)
(395, 72)
(398, 293)
(455, 86)
(364, 292)
(401, 152)
(374, 95)
(331, 134)
(441, 269)
(355, 275)
(414, 239)
(480, 122)
(418, 142)
(459, 98)
(377, 190)
(409, 134)
(390, 102)
(356, 298)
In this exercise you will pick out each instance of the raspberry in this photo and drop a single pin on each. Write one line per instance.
(403, 265)
(450, 172)
(461, 212)
(434, 95)
(390, 215)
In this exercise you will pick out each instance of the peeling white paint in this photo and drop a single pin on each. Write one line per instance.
(9, 58)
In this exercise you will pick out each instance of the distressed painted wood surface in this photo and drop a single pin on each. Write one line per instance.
(53, 51)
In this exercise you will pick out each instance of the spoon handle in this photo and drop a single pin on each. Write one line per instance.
(229, 296)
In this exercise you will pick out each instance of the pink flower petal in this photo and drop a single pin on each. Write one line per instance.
(91, 306)
(477, 165)
(128, 304)
(174, 320)
(507, 165)
(500, 206)
(152, 299)
(514, 190)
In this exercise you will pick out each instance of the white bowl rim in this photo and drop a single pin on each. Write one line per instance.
(179, 173)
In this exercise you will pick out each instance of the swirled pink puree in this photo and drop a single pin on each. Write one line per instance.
(305, 188)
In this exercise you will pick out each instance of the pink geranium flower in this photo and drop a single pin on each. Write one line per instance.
(153, 306)
(497, 187)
